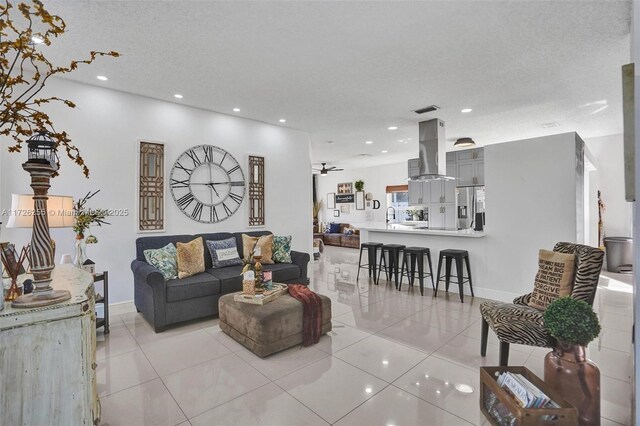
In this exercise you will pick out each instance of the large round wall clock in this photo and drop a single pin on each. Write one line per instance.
(207, 184)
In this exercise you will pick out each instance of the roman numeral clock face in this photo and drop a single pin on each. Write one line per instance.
(207, 184)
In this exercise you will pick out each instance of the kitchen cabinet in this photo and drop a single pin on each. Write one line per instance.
(442, 216)
(442, 191)
(415, 192)
(470, 167)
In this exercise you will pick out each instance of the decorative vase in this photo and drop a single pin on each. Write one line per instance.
(568, 371)
(81, 251)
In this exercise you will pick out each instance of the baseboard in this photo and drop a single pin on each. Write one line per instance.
(502, 296)
(121, 308)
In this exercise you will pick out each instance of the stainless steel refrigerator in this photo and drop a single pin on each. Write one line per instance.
(470, 206)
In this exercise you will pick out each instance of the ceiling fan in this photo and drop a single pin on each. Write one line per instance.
(325, 170)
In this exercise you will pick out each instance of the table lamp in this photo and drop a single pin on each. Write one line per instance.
(41, 164)
(59, 215)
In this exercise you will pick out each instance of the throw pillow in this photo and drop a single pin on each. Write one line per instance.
(265, 243)
(348, 231)
(327, 227)
(190, 258)
(554, 278)
(282, 249)
(334, 228)
(224, 253)
(164, 259)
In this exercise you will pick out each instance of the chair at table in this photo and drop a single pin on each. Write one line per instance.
(519, 323)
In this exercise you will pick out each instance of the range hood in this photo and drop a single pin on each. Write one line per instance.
(432, 161)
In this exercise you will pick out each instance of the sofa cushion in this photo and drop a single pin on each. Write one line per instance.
(265, 243)
(283, 272)
(282, 249)
(230, 278)
(190, 258)
(214, 236)
(224, 253)
(239, 243)
(334, 228)
(191, 287)
(164, 260)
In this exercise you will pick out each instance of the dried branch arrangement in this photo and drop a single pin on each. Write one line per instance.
(25, 31)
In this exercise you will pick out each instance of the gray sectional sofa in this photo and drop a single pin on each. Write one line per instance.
(163, 303)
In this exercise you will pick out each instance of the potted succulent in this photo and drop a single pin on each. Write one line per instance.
(566, 369)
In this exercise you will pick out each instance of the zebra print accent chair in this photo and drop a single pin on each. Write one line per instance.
(519, 323)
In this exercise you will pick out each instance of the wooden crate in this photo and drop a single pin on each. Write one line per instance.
(565, 415)
(262, 298)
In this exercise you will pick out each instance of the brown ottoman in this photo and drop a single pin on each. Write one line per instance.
(270, 328)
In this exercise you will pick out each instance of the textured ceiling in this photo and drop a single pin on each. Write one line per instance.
(345, 71)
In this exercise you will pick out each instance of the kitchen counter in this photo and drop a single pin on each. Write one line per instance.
(397, 228)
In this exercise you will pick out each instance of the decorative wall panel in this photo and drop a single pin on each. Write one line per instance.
(256, 191)
(151, 187)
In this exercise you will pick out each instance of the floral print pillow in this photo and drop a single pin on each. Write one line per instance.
(282, 249)
(165, 260)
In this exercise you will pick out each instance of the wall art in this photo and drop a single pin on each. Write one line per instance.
(360, 200)
(336, 213)
(344, 198)
(151, 186)
(345, 188)
(345, 208)
(331, 200)
(256, 191)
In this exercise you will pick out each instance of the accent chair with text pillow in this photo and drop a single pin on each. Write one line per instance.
(521, 323)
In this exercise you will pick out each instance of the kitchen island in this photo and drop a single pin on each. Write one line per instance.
(436, 240)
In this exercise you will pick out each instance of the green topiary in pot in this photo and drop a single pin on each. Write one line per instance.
(571, 321)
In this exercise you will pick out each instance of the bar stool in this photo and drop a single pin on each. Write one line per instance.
(458, 255)
(393, 251)
(372, 254)
(413, 256)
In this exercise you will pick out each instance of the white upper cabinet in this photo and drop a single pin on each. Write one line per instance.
(470, 167)
(415, 193)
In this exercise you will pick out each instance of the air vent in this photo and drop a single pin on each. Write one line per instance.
(427, 109)
(548, 125)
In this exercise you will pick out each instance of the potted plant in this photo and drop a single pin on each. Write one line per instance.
(84, 218)
(566, 369)
(359, 185)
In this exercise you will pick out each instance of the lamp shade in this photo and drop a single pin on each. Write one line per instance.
(59, 211)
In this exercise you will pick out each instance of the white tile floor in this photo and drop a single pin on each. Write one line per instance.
(393, 358)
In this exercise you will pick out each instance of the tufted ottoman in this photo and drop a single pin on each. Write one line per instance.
(270, 328)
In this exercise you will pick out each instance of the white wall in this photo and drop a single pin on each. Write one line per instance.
(531, 204)
(609, 156)
(375, 180)
(106, 126)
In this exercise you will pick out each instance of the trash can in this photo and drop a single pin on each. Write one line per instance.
(619, 254)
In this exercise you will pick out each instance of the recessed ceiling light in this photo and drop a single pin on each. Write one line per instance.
(282, 120)
(548, 125)
(369, 142)
(465, 110)
(102, 78)
(37, 39)
(384, 151)
(236, 110)
(392, 127)
(178, 96)
(368, 390)
(385, 362)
